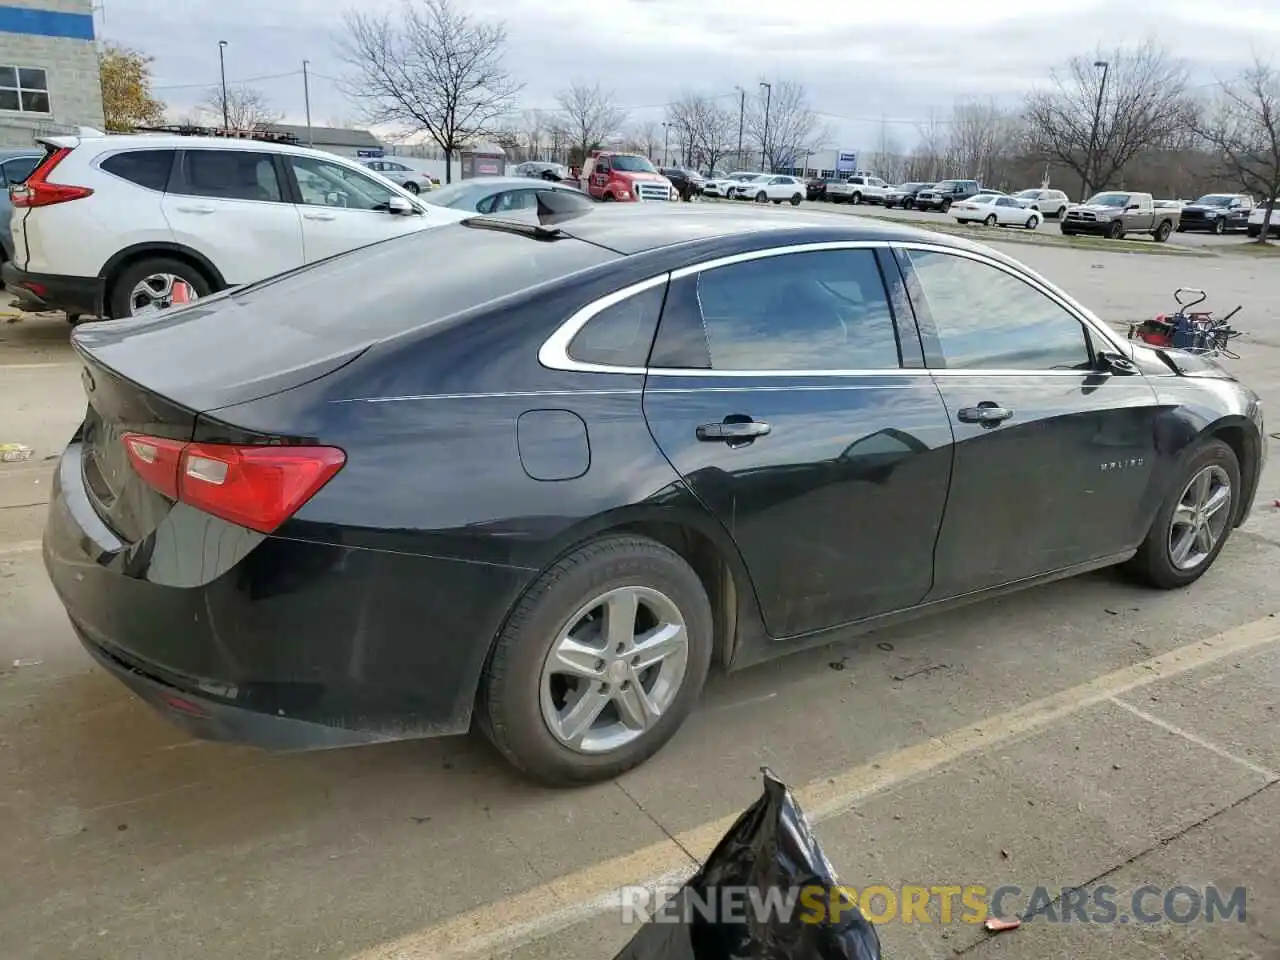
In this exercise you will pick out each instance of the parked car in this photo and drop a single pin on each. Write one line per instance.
(556, 536)
(723, 186)
(688, 183)
(495, 195)
(946, 192)
(904, 194)
(1052, 203)
(857, 189)
(624, 177)
(766, 187)
(415, 181)
(815, 188)
(110, 226)
(542, 170)
(1256, 219)
(1115, 213)
(995, 210)
(15, 165)
(1217, 213)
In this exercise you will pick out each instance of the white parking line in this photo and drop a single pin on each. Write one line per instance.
(593, 891)
(22, 546)
(1197, 740)
(38, 366)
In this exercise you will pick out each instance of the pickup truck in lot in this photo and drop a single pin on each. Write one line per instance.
(858, 189)
(1217, 213)
(1115, 213)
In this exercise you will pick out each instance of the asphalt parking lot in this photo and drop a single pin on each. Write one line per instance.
(1087, 732)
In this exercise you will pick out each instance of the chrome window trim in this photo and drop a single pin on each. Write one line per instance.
(554, 352)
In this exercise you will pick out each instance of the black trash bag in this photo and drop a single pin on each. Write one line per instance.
(770, 848)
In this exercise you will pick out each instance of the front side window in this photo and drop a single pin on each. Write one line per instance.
(325, 184)
(24, 89)
(822, 310)
(230, 175)
(987, 319)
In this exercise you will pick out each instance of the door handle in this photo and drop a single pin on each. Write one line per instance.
(985, 412)
(733, 431)
(187, 209)
(321, 216)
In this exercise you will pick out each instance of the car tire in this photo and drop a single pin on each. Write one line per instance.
(1181, 228)
(762, 197)
(1062, 212)
(607, 198)
(1219, 227)
(1067, 231)
(1032, 222)
(1154, 563)
(1162, 231)
(122, 287)
(907, 204)
(795, 200)
(946, 206)
(1115, 231)
(990, 220)
(412, 187)
(856, 199)
(519, 691)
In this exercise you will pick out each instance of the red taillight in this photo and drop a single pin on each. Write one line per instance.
(259, 487)
(36, 191)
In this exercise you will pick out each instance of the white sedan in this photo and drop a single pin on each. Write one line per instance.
(723, 186)
(769, 186)
(995, 210)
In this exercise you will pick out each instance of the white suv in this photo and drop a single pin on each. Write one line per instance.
(121, 226)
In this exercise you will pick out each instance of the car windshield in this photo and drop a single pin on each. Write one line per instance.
(1216, 200)
(1109, 200)
(911, 186)
(459, 196)
(947, 185)
(1028, 194)
(631, 164)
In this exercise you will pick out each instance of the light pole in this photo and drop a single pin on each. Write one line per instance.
(742, 116)
(1092, 160)
(666, 141)
(306, 96)
(222, 66)
(764, 139)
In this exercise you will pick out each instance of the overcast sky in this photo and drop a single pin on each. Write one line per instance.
(858, 61)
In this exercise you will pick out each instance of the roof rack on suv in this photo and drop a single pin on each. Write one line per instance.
(189, 130)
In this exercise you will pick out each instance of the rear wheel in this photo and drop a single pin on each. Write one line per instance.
(946, 206)
(155, 284)
(412, 187)
(1162, 231)
(1194, 521)
(607, 198)
(600, 662)
(856, 198)
(795, 200)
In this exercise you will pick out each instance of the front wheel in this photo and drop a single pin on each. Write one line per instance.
(1115, 231)
(155, 284)
(1219, 227)
(1032, 223)
(412, 187)
(1194, 522)
(599, 663)
(762, 197)
(990, 221)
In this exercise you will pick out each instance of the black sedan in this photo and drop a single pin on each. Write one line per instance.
(548, 484)
(504, 195)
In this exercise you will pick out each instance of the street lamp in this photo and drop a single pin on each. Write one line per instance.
(1093, 160)
(742, 115)
(764, 139)
(222, 65)
(666, 141)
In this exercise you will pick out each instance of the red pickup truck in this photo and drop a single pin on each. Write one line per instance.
(625, 177)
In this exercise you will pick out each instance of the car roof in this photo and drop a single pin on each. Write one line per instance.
(639, 228)
(513, 182)
(177, 141)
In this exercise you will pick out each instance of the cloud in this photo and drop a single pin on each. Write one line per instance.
(859, 62)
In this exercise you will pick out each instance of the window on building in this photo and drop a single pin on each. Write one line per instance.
(24, 89)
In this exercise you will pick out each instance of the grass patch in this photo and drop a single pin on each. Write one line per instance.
(1252, 248)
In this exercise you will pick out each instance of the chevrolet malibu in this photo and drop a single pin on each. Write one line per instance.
(546, 490)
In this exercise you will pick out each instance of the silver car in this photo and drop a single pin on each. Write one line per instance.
(415, 181)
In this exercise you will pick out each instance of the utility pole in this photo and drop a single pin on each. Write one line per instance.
(764, 139)
(1093, 162)
(742, 116)
(222, 65)
(666, 141)
(306, 96)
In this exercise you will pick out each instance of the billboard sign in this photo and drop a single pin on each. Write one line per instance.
(846, 161)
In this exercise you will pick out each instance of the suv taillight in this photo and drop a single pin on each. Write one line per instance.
(36, 191)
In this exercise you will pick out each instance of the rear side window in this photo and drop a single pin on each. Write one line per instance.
(620, 335)
(824, 310)
(230, 175)
(146, 168)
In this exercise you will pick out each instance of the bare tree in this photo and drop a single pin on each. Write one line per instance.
(926, 161)
(888, 160)
(1243, 128)
(247, 109)
(982, 141)
(782, 125)
(1097, 132)
(429, 66)
(587, 116)
(646, 137)
(708, 129)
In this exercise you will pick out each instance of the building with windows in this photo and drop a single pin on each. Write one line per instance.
(49, 80)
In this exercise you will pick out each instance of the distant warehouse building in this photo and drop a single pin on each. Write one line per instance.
(344, 142)
(49, 79)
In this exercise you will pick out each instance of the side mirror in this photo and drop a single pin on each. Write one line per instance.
(1112, 362)
(1132, 206)
(399, 206)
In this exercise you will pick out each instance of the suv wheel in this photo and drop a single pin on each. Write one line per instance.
(599, 663)
(154, 284)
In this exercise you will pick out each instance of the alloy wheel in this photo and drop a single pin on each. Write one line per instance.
(614, 670)
(1200, 518)
(158, 292)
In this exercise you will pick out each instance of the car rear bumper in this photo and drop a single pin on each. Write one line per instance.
(47, 291)
(279, 642)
